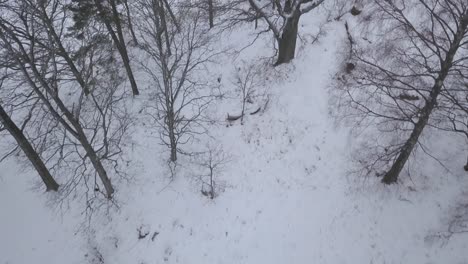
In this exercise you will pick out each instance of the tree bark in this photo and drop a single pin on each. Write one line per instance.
(287, 41)
(29, 151)
(211, 13)
(172, 138)
(392, 175)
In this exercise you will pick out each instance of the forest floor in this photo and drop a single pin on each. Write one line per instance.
(285, 196)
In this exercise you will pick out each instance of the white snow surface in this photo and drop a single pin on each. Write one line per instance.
(287, 196)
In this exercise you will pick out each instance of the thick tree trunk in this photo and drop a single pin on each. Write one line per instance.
(91, 153)
(287, 41)
(392, 175)
(173, 151)
(173, 143)
(29, 151)
(211, 13)
(129, 71)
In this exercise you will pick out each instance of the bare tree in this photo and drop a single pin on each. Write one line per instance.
(404, 70)
(177, 51)
(212, 162)
(248, 81)
(71, 129)
(282, 18)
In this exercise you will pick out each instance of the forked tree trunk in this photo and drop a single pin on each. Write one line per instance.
(287, 41)
(29, 151)
(392, 175)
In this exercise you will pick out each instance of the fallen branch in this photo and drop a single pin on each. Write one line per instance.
(233, 118)
(256, 111)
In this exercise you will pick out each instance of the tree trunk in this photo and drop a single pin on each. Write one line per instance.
(172, 136)
(211, 184)
(392, 175)
(129, 71)
(173, 17)
(123, 48)
(91, 153)
(62, 52)
(211, 13)
(118, 40)
(33, 156)
(287, 41)
(173, 143)
(173, 151)
(130, 24)
(466, 166)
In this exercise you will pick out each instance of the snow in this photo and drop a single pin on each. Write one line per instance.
(287, 198)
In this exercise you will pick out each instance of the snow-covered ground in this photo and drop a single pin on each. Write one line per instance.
(287, 195)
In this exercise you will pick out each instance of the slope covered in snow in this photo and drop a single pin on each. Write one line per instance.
(287, 195)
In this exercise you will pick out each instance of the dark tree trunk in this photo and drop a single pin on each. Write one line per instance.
(287, 41)
(96, 163)
(173, 142)
(118, 40)
(34, 158)
(123, 48)
(128, 69)
(173, 151)
(211, 13)
(392, 175)
(211, 184)
(466, 166)
(130, 24)
(162, 15)
(171, 14)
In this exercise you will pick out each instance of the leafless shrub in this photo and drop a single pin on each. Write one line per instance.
(457, 225)
(248, 81)
(212, 163)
